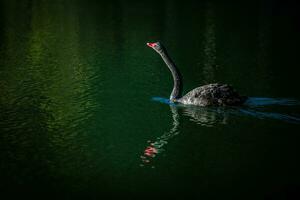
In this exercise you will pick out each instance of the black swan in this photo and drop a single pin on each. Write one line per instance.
(212, 94)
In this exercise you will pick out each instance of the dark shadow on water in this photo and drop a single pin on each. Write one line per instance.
(212, 116)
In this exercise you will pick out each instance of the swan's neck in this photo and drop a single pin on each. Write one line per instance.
(177, 88)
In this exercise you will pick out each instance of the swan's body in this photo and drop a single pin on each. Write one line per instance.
(206, 95)
(212, 94)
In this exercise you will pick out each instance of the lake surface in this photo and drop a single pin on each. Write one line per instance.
(84, 108)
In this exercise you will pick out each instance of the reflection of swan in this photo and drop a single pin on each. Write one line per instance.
(211, 94)
(211, 116)
(156, 147)
(202, 115)
(205, 116)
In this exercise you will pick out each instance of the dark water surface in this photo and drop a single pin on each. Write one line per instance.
(84, 110)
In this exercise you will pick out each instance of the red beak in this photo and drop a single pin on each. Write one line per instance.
(151, 44)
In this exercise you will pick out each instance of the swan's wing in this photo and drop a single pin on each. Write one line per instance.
(199, 96)
(211, 94)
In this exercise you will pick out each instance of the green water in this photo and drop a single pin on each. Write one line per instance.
(84, 110)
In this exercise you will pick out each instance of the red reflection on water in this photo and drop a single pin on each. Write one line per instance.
(150, 151)
(149, 154)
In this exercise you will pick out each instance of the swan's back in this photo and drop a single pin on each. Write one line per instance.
(213, 94)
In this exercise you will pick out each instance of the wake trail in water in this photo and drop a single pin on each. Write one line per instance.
(265, 101)
(249, 109)
(163, 100)
(271, 115)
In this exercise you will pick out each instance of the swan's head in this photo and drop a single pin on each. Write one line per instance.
(157, 46)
